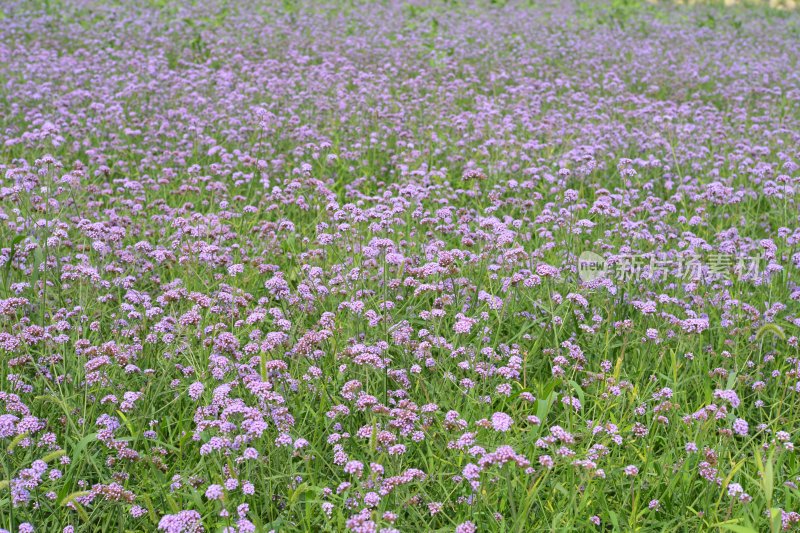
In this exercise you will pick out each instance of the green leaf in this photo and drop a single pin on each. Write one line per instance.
(776, 519)
(579, 391)
(736, 528)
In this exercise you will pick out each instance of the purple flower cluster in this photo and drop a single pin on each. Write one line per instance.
(322, 266)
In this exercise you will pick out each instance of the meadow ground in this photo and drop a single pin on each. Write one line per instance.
(398, 266)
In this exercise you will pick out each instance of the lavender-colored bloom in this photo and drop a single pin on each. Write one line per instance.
(501, 422)
(182, 522)
(740, 427)
(214, 492)
(337, 249)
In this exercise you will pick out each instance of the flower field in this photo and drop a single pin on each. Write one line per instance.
(474, 266)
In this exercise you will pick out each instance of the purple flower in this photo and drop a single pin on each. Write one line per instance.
(183, 522)
(214, 492)
(501, 422)
(466, 527)
(740, 427)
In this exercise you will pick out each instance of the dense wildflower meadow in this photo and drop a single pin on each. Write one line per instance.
(398, 266)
